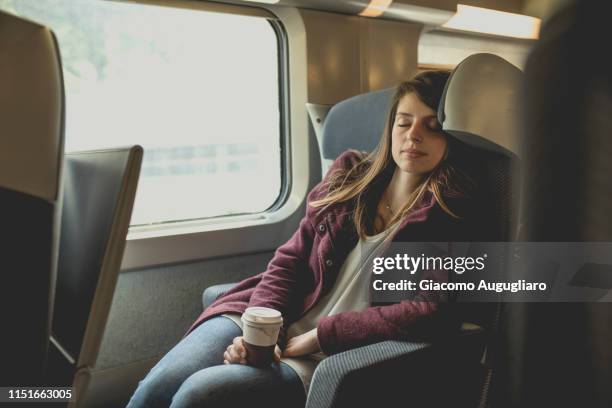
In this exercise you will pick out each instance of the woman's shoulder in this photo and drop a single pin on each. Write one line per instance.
(347, 159)
(344, 162)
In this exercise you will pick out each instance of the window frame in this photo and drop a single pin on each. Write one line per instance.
(187, 241)
(164, 228)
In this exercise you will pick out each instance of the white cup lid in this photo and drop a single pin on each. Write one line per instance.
(262, 315)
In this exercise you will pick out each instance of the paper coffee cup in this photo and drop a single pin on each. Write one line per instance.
(260, 327)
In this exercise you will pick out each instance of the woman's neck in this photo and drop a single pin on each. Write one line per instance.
(400, 188)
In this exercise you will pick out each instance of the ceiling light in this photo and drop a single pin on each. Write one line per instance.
(376, 8)
(263, 1)
(487, 21)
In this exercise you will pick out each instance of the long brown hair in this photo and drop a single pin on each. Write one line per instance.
(366, 181)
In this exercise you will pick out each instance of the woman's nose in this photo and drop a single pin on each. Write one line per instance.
(414, 134)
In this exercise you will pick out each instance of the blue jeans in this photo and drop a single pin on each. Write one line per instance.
(192, 374)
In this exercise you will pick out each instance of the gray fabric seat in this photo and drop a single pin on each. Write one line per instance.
(355, 123)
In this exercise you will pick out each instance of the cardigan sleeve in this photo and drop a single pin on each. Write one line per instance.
(288, 271)
(409, 319)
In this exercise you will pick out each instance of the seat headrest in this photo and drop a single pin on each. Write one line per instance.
(31, 108)
(356, 123)
(480, 103)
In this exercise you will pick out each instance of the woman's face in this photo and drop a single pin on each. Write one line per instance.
(417, 141)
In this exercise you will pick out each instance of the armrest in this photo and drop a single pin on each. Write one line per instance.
(402, 373)
(211, 293)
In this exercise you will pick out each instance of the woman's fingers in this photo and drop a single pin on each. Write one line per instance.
(235, 353)
(289, 349)
(303, 344)
(240, 350)
(239, 347)
(230, 356)
(294, 347)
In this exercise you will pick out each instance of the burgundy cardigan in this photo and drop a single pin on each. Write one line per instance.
(305, 268)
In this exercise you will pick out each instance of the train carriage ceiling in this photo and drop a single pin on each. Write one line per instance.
(339, 67)
(434, 12)
(403, 8)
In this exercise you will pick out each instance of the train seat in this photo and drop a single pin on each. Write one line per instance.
(355, 123)
(494, 130)
(99, 191)
(31, 151)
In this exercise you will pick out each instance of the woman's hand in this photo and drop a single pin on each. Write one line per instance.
(302, 345)
(236, 353)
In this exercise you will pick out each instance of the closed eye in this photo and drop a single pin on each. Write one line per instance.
(435, 125)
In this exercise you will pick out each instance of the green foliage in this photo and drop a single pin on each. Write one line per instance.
(73, 19)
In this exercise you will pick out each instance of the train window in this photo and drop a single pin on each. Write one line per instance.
(199, 90)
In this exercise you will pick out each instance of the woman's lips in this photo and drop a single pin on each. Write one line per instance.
(413, 153)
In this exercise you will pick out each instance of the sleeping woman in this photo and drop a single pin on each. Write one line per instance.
(410, 188)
